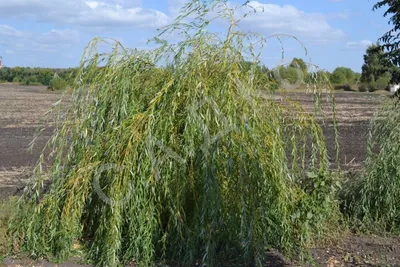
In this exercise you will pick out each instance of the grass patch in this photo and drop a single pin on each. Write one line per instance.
(7, 209)
(372, 200)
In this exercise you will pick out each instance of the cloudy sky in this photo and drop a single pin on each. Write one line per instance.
(53, 33)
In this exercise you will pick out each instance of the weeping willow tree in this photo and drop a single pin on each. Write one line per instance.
(375, 198)
(173, 156)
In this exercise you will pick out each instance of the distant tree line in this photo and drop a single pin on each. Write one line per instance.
(38, 76)
(377, 74)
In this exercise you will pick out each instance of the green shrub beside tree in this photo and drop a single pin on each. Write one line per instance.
(57, 83)
(377, 70)
(343, 78)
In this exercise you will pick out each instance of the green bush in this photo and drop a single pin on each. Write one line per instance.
(373, 200)
(58, 84)
(344, 87)
(342, 75)
(7, 208)
(321, 77)
(181, 164)
(291, 74)
(382, 82)
(30, 80)
(338, 78)
(363, 87)
(372, 87)
(45, 77)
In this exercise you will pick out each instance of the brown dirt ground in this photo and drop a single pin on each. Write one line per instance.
(21, 111)
(21, 108)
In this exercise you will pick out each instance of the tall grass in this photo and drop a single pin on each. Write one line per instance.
(7, 208)
(180, 163)
(374, 199)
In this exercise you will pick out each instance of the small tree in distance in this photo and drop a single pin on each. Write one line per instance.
(391, 39)
(299, 63)
(375, 64)
(343, 75)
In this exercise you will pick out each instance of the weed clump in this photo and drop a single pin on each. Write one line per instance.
(7, 208)
(373, 200)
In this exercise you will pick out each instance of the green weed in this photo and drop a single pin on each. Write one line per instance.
(373, 200)
(7, 209)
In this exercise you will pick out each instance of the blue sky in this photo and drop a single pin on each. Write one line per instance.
(53, 33)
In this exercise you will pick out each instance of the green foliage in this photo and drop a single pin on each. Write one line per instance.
(357, 77)
(363, 87)
(320, 77)
(16, 79)
(5, 74)
(383, 81)
(262, 75)
(376, 65)
(45, 76)
(294, 73)
(338, 77)
(35, 76)
(377, 69)
(344, 87)
(343, 75)
(391, 38)
(290, 74)
(179, 164)
(58, 83)
(7, 208)
(373, 199)
(299, 63)
(29, 80)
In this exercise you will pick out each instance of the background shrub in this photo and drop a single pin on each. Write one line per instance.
(343, 75)
(30, 80)
(16, 79)
(344, 87)
(383, 81)
(363, 87)
(58, 84)
(7, 207)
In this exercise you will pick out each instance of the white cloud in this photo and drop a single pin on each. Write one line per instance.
(58, 36)
(363, 44)
(26, 41)
(7, 31)
(100, 14)
(287, 19)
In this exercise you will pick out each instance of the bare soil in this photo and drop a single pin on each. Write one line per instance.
(21, 109)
